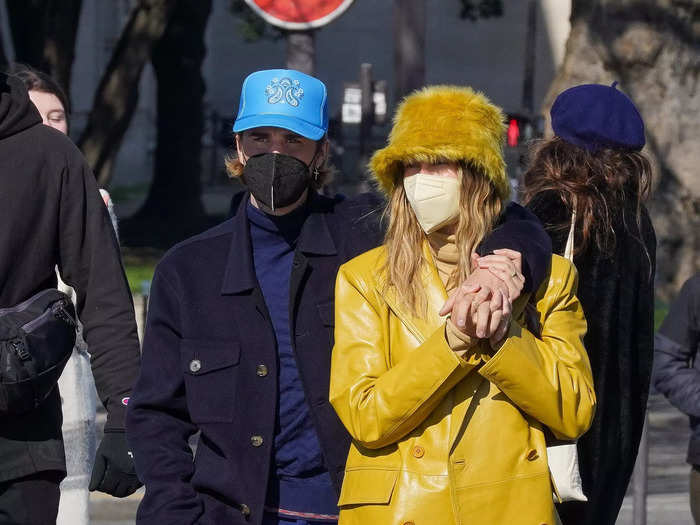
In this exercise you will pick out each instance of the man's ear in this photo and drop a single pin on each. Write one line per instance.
(324, 151)
(239, 149)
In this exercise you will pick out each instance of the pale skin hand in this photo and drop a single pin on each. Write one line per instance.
(481, 306)
(506, 265)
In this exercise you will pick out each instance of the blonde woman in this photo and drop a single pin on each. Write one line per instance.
(448, 427)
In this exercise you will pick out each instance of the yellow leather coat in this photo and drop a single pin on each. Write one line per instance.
(442, 440)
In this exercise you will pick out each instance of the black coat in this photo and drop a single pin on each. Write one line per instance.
(207, 337)
(617, 296)
(52, 214)
(676, 359)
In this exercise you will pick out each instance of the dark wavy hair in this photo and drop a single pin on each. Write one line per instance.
(598, 185)
(35, 80)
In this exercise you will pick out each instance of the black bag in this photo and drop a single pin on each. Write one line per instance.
(36, 340)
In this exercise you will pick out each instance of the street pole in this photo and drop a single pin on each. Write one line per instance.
(367, 118)
(301, 51)
(529, 76)
(639, 479)
(409, 46)
(367, 106)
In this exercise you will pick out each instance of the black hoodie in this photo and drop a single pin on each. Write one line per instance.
(52, 215)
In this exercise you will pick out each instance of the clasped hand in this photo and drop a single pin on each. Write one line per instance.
(481, 306)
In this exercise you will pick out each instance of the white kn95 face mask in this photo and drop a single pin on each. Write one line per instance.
(434, 199)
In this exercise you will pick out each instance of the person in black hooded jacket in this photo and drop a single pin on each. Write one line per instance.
(52, 215)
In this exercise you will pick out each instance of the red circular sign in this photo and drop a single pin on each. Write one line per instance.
(299, 14)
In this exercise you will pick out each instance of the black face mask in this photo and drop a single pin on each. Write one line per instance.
(276, 180)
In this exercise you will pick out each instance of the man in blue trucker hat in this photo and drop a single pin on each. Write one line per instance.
(240, 328)
(240, 331)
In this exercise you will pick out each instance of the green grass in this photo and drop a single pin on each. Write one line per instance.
(136, 275)
(125, 193)
(139, 265)
(660, 311)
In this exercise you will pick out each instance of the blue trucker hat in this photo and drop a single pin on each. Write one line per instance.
(283, 98)
(593, 116)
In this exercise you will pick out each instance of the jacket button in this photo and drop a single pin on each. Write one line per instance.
(256, 441)
(532, 455)
(261, 370)
(245, 510)
(418, 452)
(195, 366)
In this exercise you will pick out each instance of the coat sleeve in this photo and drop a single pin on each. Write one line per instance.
(158, 422)
(377, 401)
(554, 215)
(549, 377)
(90, 262)
(675, 348)
(521, 231)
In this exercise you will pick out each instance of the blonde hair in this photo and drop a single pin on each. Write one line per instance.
(234, 168)
(480, 207)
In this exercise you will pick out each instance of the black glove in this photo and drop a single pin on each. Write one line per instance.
(114, 471)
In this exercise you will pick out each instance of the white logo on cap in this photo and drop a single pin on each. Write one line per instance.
(285, 91)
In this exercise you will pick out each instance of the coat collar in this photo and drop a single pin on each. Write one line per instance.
(239, 275)
(315, 239)
(422, 327)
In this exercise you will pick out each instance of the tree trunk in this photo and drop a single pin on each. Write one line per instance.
(173, 209)
(44, 33)
(59, 46)
(28, 22)
(652, 48)
(117, 95)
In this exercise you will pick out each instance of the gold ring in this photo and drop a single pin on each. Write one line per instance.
(515, 274)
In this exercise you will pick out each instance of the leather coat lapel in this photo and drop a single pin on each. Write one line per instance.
(422, 327)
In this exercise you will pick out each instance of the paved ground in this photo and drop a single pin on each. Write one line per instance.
(667, 503)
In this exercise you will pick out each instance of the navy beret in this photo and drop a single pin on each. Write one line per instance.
(593, 116)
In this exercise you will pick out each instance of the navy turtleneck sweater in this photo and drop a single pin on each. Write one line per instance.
(299, 481)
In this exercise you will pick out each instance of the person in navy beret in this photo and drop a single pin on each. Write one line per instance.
(592, 177)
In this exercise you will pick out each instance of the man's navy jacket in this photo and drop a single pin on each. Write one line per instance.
(210, 359)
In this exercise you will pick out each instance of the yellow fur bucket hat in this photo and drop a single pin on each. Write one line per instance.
(444, 123)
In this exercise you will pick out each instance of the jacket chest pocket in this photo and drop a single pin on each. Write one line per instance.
(210, 369)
